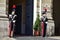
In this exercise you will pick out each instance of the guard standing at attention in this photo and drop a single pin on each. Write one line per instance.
(44, 21)
(12, 21)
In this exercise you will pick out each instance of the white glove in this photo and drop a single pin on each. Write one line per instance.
(46, 22)
(14, 21)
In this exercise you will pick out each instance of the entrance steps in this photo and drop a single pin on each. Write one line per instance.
(55, 37)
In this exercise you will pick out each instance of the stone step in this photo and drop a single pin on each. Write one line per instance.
(4, 19)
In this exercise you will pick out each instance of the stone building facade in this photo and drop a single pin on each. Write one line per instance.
(2, 7)
(38, 8)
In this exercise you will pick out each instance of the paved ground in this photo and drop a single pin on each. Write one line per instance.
(29, 38)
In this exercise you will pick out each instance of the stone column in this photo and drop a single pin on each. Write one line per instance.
(3, 8)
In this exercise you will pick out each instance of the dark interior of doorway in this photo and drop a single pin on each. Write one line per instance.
(18, 20)
(56, 16)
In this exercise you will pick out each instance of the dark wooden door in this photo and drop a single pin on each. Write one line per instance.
(56, 16)
(29, 17)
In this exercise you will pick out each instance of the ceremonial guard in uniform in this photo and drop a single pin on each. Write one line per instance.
(12, 20)
(44, 21)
